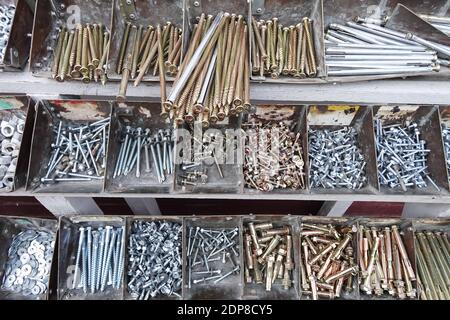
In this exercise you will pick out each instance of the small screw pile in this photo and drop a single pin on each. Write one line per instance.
(287, 51)
(433, 265)
(6, 19)
(213, 80)
(273, 157)
(446, 139)
(268, 255)
(401, 156)
(99, 259)
(328, 261)
(79, 152)
(154, 263)
(11, 139)
(365, 48)
(336, 160)
(81, 54)
(157, 48)
(212, 254)
(141, 45)
(196, 171)
(384, 263)
(134, 141)
(29, 262)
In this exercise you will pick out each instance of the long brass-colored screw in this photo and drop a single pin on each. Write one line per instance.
(121, 97)
(259, 40)
(307, 25)
(136, 45)
(92, 46)
(58, 52)
(123, 47)
(61, 56)
(65, 63)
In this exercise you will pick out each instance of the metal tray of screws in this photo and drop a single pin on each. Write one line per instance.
(230, 287)
(444, 112)
(295, 118)
(51, 16)
(406, 230)
(435, 226)
(19, 40)
(135, 114)
(227, 179)
(68, 245)
(342, 222)
(10, 227)
(291, 12)
(428, 123)
(341, 11)
(48, 115)
(143, 13)
(17, 117)
(335, 118)
(128, 277)
(195, 8)
(258, 291)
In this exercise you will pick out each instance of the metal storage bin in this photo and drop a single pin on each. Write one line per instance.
(290, 114)
(141, 13)
(17, 115)
(405, 228)
(229, 288)
(340, 11)
(11, 227)
(358, 117)
(129, 222)
(68, 245)
(19, 41)
(341, 223)
(425, 273)
(290, 13)
(51, 16)
(428, 123)
(135, 114)
(48, 115)
(231, 165)
(255, 291)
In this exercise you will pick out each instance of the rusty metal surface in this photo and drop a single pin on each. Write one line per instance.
(291, 12)
(10, 227)
(48, 115)
(19, 43)
(427, 119)
(152, 12)
(68, 14)
(135, 114)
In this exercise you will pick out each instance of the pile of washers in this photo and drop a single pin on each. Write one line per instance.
(11, 132)
(29, 262)
(6, 19)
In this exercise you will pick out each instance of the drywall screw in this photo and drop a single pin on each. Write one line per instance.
(77, 261)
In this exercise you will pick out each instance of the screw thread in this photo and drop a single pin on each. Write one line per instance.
(105, 268)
